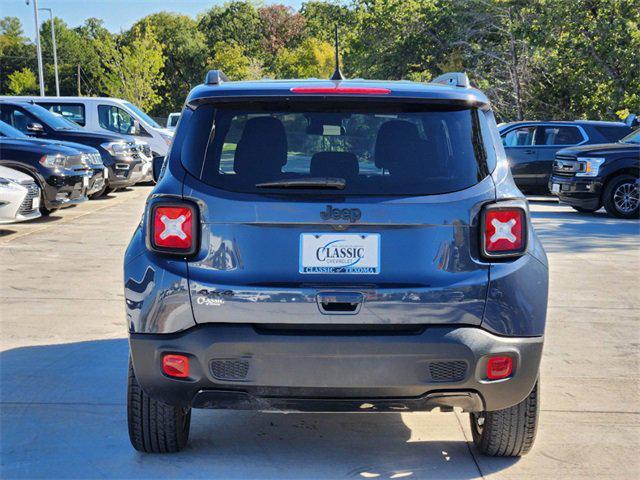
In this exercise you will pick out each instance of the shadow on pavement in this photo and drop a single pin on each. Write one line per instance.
(106, 196)
(578, 232)
(64, 415)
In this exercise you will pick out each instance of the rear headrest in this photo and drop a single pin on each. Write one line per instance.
(262, 149)
(396, 142)
(334, 164)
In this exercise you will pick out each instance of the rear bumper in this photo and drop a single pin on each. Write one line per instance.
(240, 367)
(584, 193)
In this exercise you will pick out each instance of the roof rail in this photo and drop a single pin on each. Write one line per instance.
(455, 79)
(215, 77)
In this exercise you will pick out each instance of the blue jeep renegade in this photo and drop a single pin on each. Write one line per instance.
(347, 245)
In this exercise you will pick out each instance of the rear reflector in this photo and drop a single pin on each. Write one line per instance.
(499, 367)
(342, 90)
(172, 228)
(504, 231)
(175, 366)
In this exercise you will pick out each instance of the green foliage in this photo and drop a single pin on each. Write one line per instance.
(536, 59)
(236, 22)
(312, 59)
(16, 53)
(75, 46)
(231, 59)
(22, 82)
(322, 16)
(133, 67)
(186, 55)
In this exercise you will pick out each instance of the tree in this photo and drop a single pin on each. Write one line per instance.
(312, 59)
(589, 55)
(75, 46)
(22, 82)
(185, 52)
(236, 22)
(16, 52)
(133, 69)
(322, 17)
(231, 59)
(282, 27)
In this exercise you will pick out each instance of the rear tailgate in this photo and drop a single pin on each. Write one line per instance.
(251, 268)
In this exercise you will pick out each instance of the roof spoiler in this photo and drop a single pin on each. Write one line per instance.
(455, 79)
(215, 77)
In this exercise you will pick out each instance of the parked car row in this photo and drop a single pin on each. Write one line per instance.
(586, 164)
(108, 115)
(66, 163)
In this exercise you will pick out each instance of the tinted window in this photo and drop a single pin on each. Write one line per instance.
(142, 115)
(16, 118)
(385, 149)
(519, 137)
(613, 134)
(70, 111)
(7, 130)
(559, 136)
(115, 119)
(19, 117)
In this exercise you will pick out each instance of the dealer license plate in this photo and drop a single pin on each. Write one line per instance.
(350, 253)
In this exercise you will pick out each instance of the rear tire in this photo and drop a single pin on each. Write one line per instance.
(585, 210)
(620, 197)
(154, 427)
(509, 432)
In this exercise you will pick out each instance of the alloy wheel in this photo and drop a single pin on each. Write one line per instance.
(626, 197)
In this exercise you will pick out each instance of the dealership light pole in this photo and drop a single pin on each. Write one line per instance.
(38, 48)
(55, 50)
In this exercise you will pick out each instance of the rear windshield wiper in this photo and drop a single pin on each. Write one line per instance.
(315, 182)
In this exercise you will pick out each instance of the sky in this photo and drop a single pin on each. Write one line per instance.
(117, 14)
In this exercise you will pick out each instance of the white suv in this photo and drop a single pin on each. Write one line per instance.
(109, 114)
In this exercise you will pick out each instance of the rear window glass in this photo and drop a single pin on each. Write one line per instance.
(613, 134)
(559, 136)
(70, 111)
(345, 149)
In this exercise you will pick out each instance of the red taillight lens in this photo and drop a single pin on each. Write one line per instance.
(173, 228)
(505, 230)
(175, 365)
(342, 90)
(499, 367)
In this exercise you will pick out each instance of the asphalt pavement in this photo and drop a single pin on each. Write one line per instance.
(63, 355)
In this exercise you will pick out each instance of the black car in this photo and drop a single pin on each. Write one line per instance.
(531, 146)
(60, 170)
(591, 176)
(91, 158)
(120, 154)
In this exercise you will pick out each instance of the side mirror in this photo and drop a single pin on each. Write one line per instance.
(156, 167)
(35, 127)
(135, 128)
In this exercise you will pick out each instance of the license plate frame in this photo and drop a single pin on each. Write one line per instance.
(339, 253)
